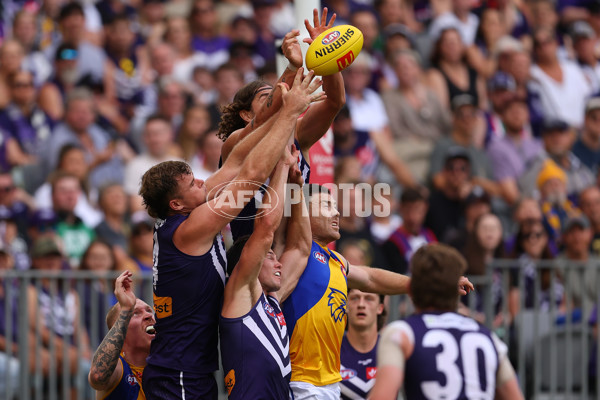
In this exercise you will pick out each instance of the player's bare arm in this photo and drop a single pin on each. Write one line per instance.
(195, 235)
(106, 369)
(317, 120)
(243, 288)
(298, 240)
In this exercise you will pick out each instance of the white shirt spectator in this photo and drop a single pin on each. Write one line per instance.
(135, 169)
(368, 114)
(467, 30)
(84, 209)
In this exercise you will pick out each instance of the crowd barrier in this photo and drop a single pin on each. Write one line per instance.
(545, 313)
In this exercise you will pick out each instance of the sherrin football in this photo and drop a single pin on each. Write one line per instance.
(334, 50)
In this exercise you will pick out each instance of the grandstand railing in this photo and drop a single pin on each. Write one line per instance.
(550, 344)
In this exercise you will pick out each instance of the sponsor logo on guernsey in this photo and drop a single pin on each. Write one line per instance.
(281, 319)
(335, 44)
(337, 304)
(371, 372)
(269, 309)
(345, 60)
(347, 373)
(230, 381)
(365, 362)
(131, 380)
(332, 37)
(320, 257)
(163, 306)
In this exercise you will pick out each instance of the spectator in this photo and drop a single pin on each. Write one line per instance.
(105, 165)
(25, 32)
(179, 36)
(476, 204)
(451, 76)
(26, 122)
(584, 44)
(54, 310)
(397, 38)
(114, 229)
(562, 86)
(480, 55)
(110, 10)
(207, 41)
(71, 160)
(141, 244)
(555, 205)
(12, 242)
(158, 137)
(509, 155)
(385, 221)
(578, 264)
(461, 19)
(589, 201)
(196, 123)
(228, 81)
(446, 203)
(97, 294)
(526, 209)
(408, 238)
(11, 59)
(463, 134)
(42, 222)
(242, 56)
(532, 247)
(558, 140)
(16, 200)
(501, 89)
(587, 145)
(75, 234)
(206, 160)
(54, 92)
(416, 117)
(151, 21)
(483, 244)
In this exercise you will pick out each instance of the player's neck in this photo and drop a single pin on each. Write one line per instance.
(136, 358)
(362, 341)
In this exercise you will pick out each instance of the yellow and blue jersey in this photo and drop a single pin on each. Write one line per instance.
(129, 386)
(315, 314)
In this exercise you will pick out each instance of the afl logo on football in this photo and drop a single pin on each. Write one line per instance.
(320, 257)
(332, 37)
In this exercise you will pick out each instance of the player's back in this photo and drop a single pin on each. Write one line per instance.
(188, 295)
(454, 357)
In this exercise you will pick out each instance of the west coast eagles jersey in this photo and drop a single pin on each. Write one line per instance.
(315, 314)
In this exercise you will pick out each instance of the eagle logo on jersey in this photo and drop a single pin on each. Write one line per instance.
(337, 304)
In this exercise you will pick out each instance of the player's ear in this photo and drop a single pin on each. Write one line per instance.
(380, 308)
(175, 205)
(247, 115)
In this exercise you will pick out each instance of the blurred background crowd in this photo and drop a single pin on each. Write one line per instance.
(481, 115)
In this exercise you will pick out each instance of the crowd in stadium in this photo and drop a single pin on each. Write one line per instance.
(482, 116)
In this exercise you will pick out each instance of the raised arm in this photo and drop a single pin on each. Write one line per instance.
(298, 241)
(106, 370)
(195, 235)
(318, 118)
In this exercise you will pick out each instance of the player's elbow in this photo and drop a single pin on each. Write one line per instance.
(94, 379)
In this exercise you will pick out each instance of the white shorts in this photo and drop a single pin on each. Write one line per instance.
(308, 391)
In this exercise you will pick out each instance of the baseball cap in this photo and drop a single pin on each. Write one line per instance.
(581, 29)
(592, 104)
(455, 152)
(477, 195)
(461, 101)
(45, 246)
(66, 52)
(399, 29)
(578, 220)
(43, 217)
(502, 81)
(507, 44)
(554, 125)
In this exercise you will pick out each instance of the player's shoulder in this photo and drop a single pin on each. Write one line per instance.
(397, 332)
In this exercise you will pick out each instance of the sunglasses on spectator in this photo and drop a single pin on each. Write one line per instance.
(535, 235)
(19, 85)
(457, 168)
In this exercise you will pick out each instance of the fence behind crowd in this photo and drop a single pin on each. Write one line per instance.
(545, 312)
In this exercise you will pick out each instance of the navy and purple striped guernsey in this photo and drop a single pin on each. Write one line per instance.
(255, 353)
(243, 225)
(188, 296)
(358, 371)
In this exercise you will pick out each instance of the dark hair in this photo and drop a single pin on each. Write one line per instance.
(66, 149)
(315, 188)
(527, 225)
(436, 269)
(157, 117)
(381, 318)
(412, 195)
(344, 113)
(436, 54)
(475, 254)
(70, 9)
(231, 120)
(159, 185)
(235, 252)
(85, 267)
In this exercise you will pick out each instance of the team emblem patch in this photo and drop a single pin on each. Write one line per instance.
(131, 380)
(337, 304)
(347, 373)
(320, 257)
(371, 372)
(281, 319)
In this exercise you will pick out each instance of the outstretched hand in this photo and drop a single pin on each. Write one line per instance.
(295, 175)
(291, 48)
(124, 291)
(465, 286)
(319, 26)
(302, 94)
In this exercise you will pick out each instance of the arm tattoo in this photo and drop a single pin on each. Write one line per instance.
(270, 99)
(106, 356)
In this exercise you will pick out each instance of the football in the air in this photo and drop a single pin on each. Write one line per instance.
(334, 50)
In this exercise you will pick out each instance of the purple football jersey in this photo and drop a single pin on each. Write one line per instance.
(358, 371)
